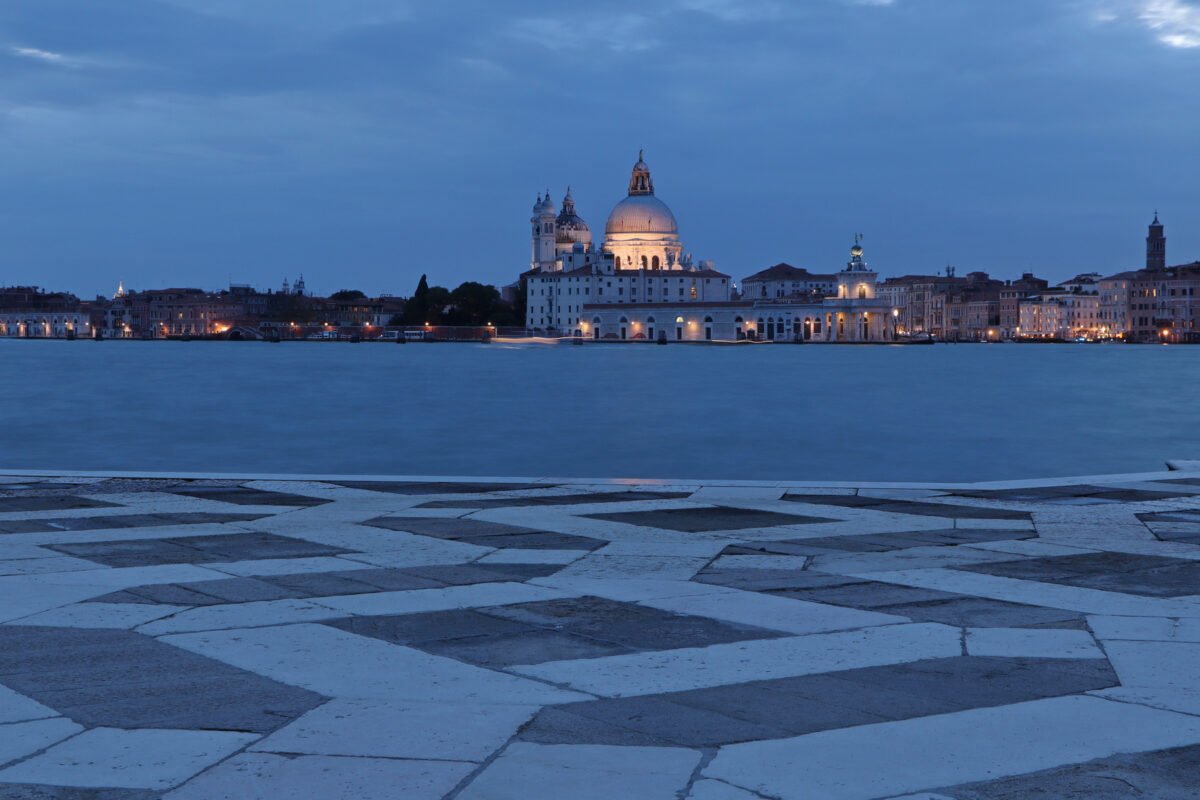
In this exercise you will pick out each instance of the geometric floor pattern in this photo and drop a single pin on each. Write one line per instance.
(486, 639)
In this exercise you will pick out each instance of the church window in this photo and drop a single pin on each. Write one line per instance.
(693, 292)
(654, 263)
(644, 263)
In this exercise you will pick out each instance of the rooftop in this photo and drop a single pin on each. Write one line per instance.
(422, 637)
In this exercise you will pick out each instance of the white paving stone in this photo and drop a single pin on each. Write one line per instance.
(1158, 665)
(521, 556)
(584, 772)
(1031, 643)
(699, 667)
(706, 789)
(288, 566)
(16, 707)
(335, 663)
(241, 615)
(100, 615)
(775, 613)
(417, 601)
(137, 759)
(20, 739)
(655, 567)
(1146, 629)
(416, 730)
(872, 761)
(48, 565)
(262, 776)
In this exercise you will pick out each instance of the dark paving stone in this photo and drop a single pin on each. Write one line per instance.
(427, 487)
(53, 503)
(447, 528)
(25, 526)
(764, 580)
(688, 726)
(909, 507)
(354, 581)
(122, 679)
(195, 549)
(698, 520)
(537, 541)
(30, 791)
(866, 595)
(428, 627)
(553, 725)
(980, 612)
(876, 542)
(464, 574)
(556, 500)
(528, 647)
(810, 703)
(240, 590)
(627, 624)
(1150, 576)
(1161, 775)
(1084, 494)
(250, 497)
(118, 521)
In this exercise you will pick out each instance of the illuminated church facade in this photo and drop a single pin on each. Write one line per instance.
(639, 284)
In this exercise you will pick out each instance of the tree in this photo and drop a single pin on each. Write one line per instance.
(417, 306)
(347, 294)
(474, 303)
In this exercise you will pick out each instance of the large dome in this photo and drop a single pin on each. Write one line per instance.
(641, 213)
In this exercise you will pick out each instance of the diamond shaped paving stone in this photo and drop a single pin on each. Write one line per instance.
(627, 624)
(1084, 494)
(867, 594)
(52, 503)
(529, 647)
(699, 520)
(980, 612)
(464, 574)
(195, 549)
(908, 507)
(250, 497)
(556, 500)
(146, 520)
(785, 707)
(446, 528)
(537, 541)
(437, 487)
(122, 679)
(431, 626)
(1150, 576)
(764, 580)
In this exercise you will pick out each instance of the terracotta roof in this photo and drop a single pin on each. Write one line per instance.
(784, 272)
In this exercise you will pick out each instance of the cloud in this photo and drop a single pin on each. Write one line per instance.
(622, 34)
(43, 55)
(1176, 22)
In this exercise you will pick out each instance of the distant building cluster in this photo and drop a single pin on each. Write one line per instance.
(237, 312)
(638, 284)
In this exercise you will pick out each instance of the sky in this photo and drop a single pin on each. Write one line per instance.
(362, 143)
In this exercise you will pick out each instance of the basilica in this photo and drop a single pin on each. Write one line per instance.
(639, 284)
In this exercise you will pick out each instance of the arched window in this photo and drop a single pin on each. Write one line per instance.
(708, 319)
(679, 320)
(596, 320)
(654, 263)
(644, 262)
(862, 292)
(650, 319)
(738, 319)
(623, 320)
(693, 292)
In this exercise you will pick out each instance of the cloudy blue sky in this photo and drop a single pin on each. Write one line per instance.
(363, 142)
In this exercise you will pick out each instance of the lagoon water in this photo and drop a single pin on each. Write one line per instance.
(947, 412)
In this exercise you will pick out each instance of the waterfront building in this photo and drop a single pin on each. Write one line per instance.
(1068, 311)
(27, 312)
(784, 280)
(1157, 303)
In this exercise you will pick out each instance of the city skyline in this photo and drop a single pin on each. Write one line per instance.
(194, 142)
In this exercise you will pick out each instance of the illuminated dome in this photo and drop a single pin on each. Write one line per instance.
(641, 211)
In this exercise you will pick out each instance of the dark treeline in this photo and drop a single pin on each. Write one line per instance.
(470, 304)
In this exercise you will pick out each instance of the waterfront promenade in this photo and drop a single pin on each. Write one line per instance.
(195, 637)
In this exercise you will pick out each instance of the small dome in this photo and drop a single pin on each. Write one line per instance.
(641, 213)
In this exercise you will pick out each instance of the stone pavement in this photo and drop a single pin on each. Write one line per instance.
(202, 637)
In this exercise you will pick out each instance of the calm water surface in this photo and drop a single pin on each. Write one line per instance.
(947, 412)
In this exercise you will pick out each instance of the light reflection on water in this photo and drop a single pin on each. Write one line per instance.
(947, 412)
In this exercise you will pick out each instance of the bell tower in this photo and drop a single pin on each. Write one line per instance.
(544, 256)
(1156, 247)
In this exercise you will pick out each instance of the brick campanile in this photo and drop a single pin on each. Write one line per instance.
(1156, 246)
